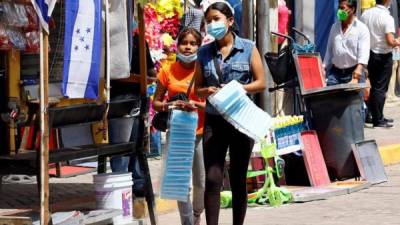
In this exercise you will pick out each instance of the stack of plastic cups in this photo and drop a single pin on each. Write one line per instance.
(287, 130)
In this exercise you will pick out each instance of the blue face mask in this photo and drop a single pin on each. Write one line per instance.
(217, 30)
(186, 58)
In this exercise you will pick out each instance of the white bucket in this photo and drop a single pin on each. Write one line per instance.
(114, 191)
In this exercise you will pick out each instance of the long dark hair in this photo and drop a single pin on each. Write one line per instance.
(189, 30)
(224, 9)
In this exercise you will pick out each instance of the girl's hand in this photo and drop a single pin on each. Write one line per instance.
(212, 90)
(185, 106)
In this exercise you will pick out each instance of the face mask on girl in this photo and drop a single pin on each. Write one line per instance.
(217, 29)
(186, 58)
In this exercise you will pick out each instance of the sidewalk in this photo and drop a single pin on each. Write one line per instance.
(377, 205)
(77, 193)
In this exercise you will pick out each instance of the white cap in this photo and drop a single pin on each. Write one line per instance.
(207, 3)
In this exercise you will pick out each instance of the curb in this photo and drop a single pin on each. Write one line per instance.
(390, 154)
(165, 206)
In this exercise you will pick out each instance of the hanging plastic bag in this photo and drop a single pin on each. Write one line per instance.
(21, 15)
(10, 16)
(32, 42)
(4, 41)
(32, 18)
(17, 38)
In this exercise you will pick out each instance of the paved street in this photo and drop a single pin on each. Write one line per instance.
(376, 205)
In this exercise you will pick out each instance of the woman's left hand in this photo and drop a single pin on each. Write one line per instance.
(185, 106)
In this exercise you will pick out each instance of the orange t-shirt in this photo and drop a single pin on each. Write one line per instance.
(176, 79)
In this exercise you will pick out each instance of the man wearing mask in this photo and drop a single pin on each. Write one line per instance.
(382, 28)
(348, 46)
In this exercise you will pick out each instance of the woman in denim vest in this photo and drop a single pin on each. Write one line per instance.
(238, 59)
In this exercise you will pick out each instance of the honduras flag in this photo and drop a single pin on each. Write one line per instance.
(44, 8)
(82, 48)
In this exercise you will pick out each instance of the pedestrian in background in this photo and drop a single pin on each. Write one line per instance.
(382, 28)
(348, 46)
(367, 4)
(228, 58)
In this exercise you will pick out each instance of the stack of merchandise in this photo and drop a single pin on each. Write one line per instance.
(287, 131)
(236, 107)
(179, 159)
(18, 27)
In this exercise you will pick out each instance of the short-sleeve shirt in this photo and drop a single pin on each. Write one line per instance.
(176, 79)
(379, 22)
(236, 66)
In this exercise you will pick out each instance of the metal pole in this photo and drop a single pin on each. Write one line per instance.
(248, 19)
(108, 62)
(144, 124)
(267, 15)
(44, 128)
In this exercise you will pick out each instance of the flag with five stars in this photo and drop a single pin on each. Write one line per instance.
(82, 48)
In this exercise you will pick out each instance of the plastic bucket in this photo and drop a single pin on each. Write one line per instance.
(114, 191)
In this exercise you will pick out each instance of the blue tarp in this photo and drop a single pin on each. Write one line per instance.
(325, 11)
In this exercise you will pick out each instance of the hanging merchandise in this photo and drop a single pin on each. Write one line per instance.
(32, 41)
(32, 18)
(16, 37)
(18, 27)
(20, 12)
(119, 53)
(162, 27)
(5, 44)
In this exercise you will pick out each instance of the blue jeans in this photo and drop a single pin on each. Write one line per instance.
(334, 79)
(124, 130)
(155, 143)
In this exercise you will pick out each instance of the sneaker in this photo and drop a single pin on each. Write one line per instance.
(388, 120)
(383, 124)
(368, 118)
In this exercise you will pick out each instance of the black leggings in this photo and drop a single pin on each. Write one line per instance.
(218, 136)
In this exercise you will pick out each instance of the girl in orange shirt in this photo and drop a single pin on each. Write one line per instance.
(175, 78)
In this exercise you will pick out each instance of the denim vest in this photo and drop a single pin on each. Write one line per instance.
(236, 66)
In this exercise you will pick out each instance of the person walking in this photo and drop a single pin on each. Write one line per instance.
(230, 58)
(348, 46)
(382, 28)
(173, 79)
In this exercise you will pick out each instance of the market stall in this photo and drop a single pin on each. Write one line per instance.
(42, 114)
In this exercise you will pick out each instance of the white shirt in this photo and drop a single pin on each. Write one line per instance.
(380, 22)
(347, 49)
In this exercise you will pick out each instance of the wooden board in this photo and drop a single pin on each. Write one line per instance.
(314, 160)
(14, 220)
(369, 162)
(307, 194)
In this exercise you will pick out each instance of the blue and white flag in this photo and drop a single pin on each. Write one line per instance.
(44, 9)
(82, 48)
